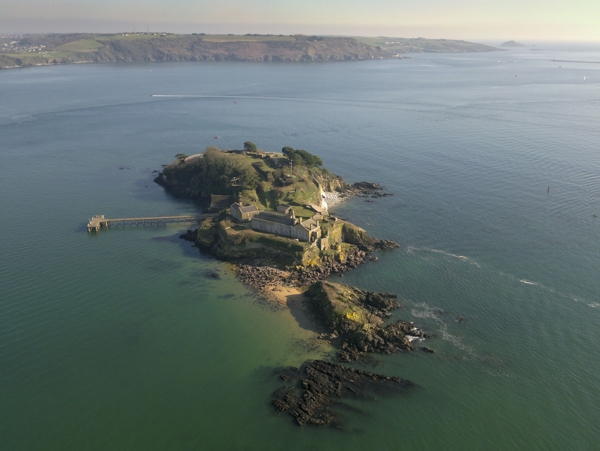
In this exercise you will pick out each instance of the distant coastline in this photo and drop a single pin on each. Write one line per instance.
(51, 49)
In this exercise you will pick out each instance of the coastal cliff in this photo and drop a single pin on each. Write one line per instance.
(79, 48)
(44, 49)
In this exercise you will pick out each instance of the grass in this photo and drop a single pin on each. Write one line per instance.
(135, 37)
(239, 38)
(83, 45)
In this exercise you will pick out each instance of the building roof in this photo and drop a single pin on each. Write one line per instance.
(318, 209)
(273, 216)
(310, 224)
(244, 208)
(220, 201)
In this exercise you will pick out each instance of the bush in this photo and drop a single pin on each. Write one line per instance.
(250, 146)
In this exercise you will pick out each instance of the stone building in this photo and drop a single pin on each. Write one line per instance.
(243, 213)
(287, 225)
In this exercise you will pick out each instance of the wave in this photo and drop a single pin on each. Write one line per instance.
(492, 366)
(424, 310)
(553, 291)
(412, 249)
(527, 282)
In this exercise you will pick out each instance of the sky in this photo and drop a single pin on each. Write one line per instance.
(487, 20)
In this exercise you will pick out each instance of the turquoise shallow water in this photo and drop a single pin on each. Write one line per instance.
(120, 341)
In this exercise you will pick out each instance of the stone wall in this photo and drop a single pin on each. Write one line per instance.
(272, 227)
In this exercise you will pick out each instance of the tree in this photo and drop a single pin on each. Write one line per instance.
(250, 146)
(301, 156)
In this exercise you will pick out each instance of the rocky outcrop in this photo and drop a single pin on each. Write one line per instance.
(359, 237)
(354, 319)
(313, 388)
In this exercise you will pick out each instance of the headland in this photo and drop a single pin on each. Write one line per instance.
(48, 49)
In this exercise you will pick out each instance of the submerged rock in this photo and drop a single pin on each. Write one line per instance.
(316, 385)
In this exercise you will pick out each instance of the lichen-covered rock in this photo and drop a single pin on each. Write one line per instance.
(356, 317)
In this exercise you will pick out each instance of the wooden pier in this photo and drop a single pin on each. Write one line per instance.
(99, 221)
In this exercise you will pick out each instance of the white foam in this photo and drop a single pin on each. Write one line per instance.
(412, 249)
(527, 282)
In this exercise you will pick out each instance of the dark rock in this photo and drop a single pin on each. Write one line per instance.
(317, 384)
(190, 235)
(429, 350)
(362, 330)
(367, 186)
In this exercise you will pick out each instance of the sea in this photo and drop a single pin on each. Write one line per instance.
(122, 340)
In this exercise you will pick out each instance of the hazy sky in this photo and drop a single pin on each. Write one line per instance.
(556, 20)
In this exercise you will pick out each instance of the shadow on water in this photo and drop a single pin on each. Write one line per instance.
(298, 308)
(160, 265)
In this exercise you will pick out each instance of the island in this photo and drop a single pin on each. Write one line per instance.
(512, 44)
(46, 49)
(271, 220)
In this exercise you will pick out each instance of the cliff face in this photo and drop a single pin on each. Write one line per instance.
(194, 48)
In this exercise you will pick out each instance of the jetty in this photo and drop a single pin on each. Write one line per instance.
(99, 221)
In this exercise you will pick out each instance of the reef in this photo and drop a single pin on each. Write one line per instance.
(312, 390)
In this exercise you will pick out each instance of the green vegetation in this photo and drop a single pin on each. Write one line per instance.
(252, 177)
(418, 45)
(298, 157)
(82, 45)
(250, 146)
(247, 38)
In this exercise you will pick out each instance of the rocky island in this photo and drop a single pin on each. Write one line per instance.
(512, 44)
(271, 220)
(271, 213)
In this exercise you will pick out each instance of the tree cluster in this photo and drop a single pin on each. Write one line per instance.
(215, 173)
(299, 156)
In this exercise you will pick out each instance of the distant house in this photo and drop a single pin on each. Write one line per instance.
(243, 213)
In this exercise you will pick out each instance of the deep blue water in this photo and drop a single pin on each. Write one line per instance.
(120, 341)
